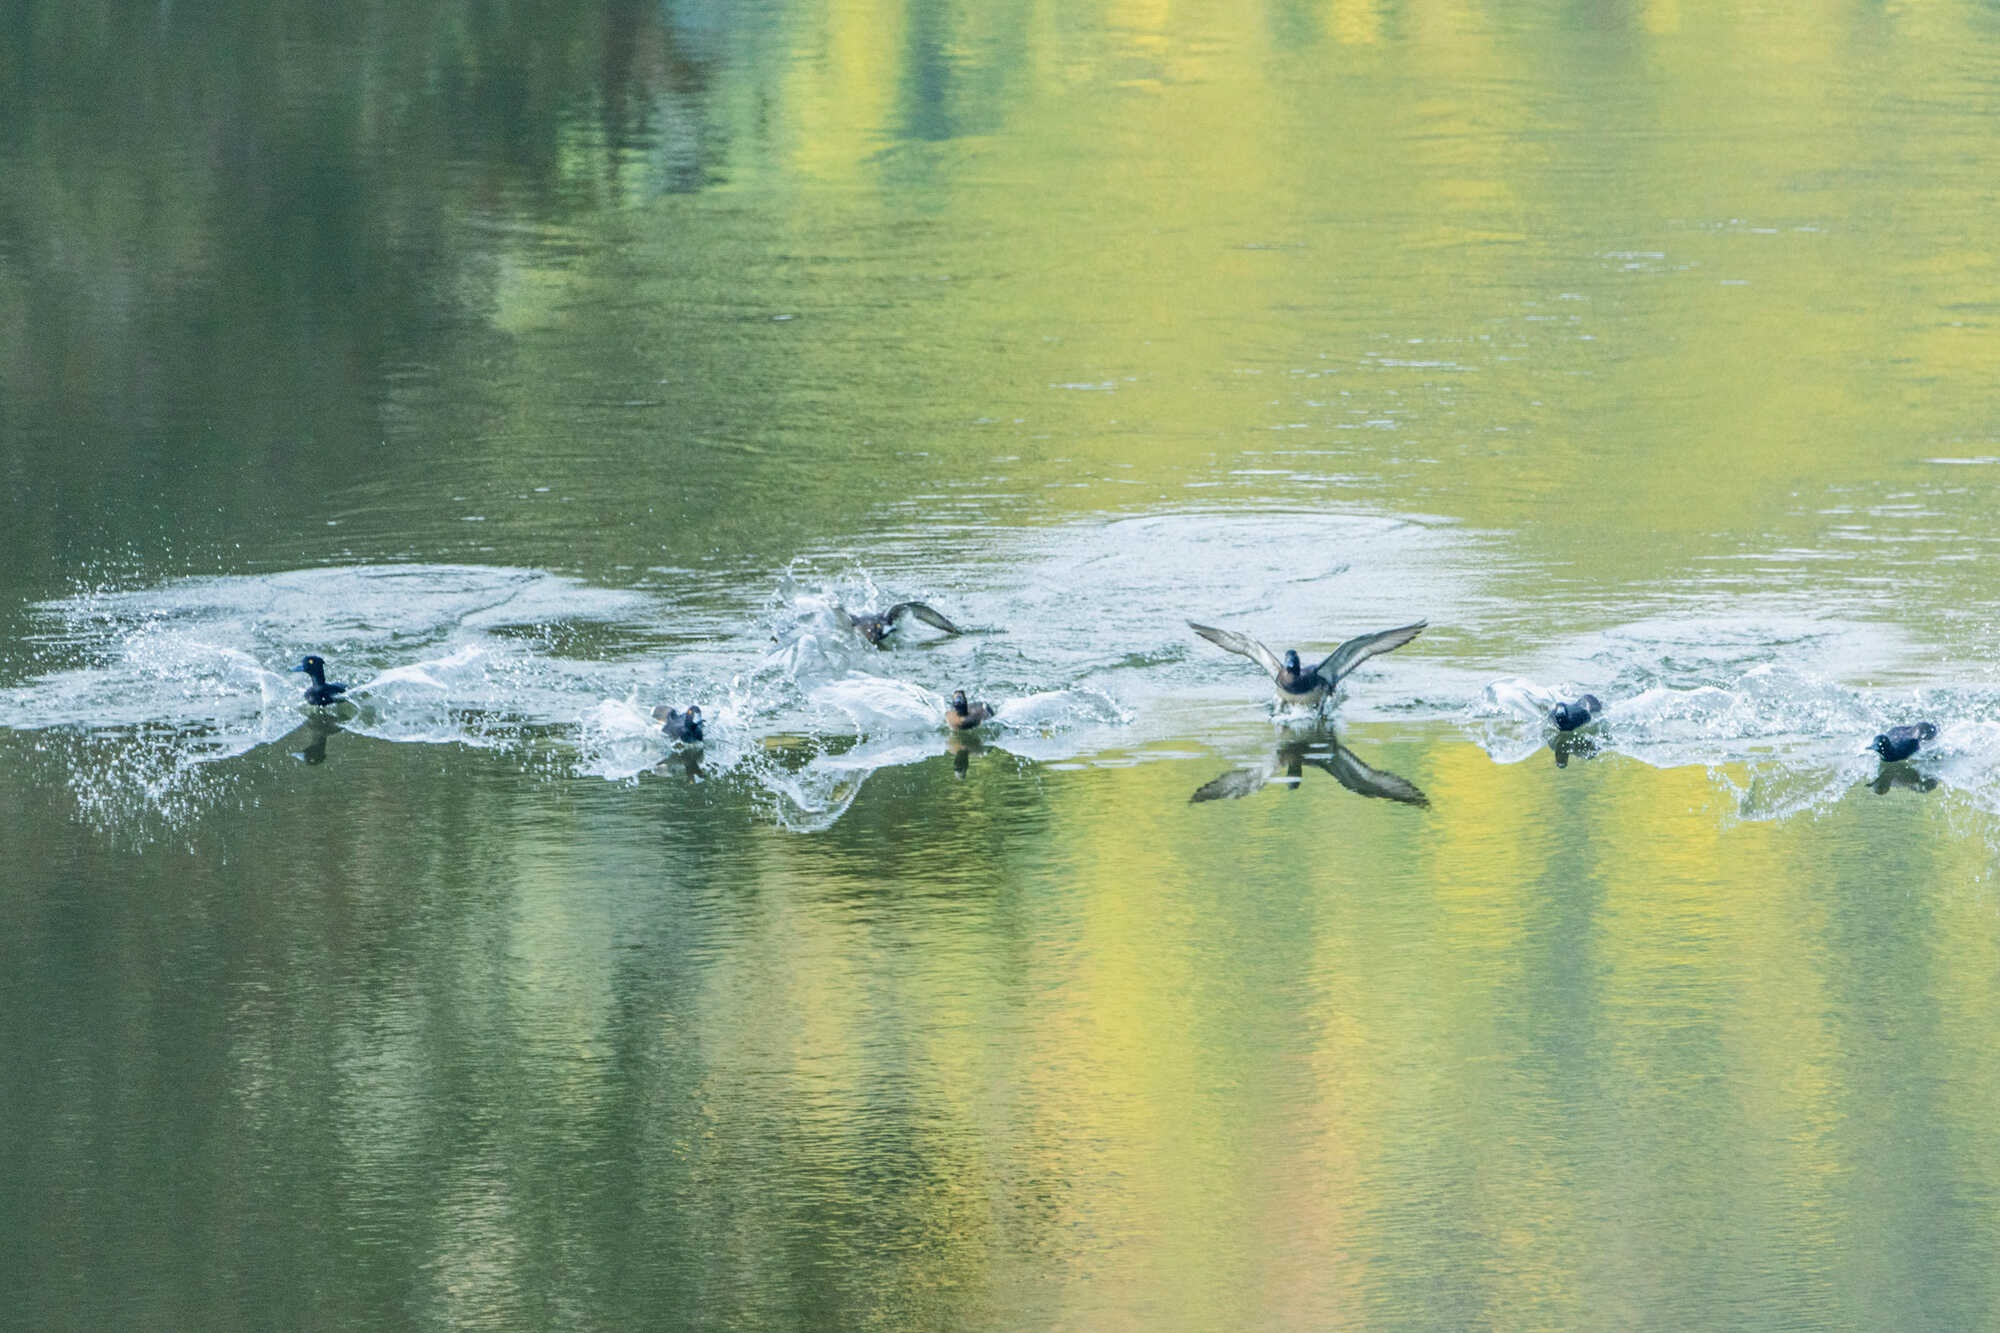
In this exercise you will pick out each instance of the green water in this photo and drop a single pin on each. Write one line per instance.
(537, 363)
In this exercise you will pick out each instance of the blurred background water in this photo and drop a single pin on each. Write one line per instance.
(538, 363)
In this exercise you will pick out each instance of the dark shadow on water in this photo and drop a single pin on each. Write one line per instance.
(311, 738)
(1321, 749)
(687, 759)
(962, 748)
(1570, 745)
(1894, 777)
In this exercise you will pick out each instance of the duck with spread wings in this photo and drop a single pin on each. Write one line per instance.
(1298, 685)
(876, 626)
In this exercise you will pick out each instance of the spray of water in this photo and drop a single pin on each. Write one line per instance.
(1077, 636)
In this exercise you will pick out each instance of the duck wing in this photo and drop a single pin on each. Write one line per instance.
(1359, 649)
(1350, 772)
(1242, 644)
(928, 615)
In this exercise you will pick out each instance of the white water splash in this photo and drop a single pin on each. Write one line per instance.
(1077, 636)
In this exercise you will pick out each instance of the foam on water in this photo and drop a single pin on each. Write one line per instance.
(1077, 635)
(1775, 742)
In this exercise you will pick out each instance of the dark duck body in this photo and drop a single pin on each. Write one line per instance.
(678, 725)
(876, 626)
(1570, 716)
(1300, 686)
(1899, 743)
(321, 692)
(962, 716)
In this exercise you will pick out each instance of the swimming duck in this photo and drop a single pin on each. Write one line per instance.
(1899, 743)
(962, 716)
(1301, 687)
(321, 692)
(876, 627)
(1568, 717)
(1347, 769)
(678, 725)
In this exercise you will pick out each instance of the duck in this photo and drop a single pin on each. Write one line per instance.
(1899, 743)
(1570, 716)
(321, 693)
(1322, 752)
(678, 725)
(1310, 687)
(962, 716)
(876, 626)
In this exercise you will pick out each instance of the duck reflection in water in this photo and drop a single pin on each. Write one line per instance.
(1568, 745)
(1319, 749)
(963, 745)
(312, 737)
(687, 759)
(1901, 776)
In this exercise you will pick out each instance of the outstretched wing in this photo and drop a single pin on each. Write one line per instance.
(921, 612)
(1359, 778)
(1240, 643)
(1358, 650)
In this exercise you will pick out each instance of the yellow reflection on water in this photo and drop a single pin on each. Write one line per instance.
(1680, 276)
(1551, 1046)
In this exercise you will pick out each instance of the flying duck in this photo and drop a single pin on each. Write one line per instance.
(1300, 687)
(877, 626)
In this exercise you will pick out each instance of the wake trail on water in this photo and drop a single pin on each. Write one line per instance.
(1077, 636)
(1777, 743)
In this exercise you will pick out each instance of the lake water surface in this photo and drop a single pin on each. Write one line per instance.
(537, 364)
